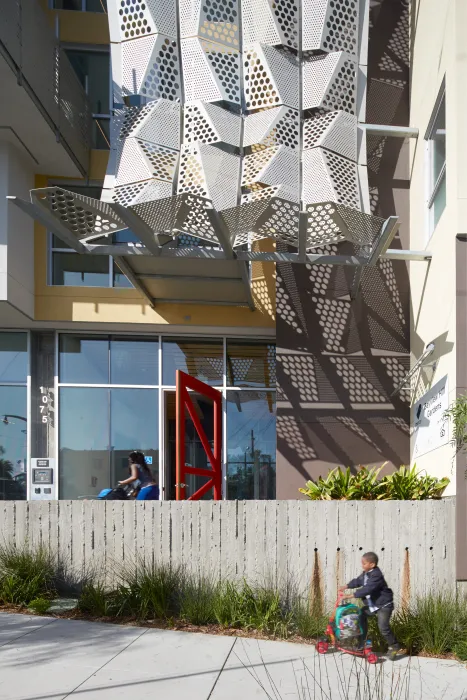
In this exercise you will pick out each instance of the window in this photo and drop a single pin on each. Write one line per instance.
(13, 415)
(436, 137)
(200, 359)
(70, 269)
(101, 425)
(92, 66)
(80, 5)
(251, 445)
(117, 392)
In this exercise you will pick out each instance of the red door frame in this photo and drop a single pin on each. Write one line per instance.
(183, 399)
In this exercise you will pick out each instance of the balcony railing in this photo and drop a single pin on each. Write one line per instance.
(33, 51)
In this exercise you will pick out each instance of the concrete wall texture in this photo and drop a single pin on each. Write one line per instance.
(316, 546)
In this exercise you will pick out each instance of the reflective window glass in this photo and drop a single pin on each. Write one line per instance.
(251, 363)
(93, 71)
(134, 425)
(13, 442)
(134, 361)
(84, 360)
(84, 441)
(13, 357)
(74, 270)
(201, 359)
(119, 279)
(251, 445)
(437, 154)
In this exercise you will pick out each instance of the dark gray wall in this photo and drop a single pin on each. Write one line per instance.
(337, 360)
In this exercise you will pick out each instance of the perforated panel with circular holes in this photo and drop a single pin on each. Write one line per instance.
(335, 131)
(197, 126)
(286, 16)
(81, 215)
(162, 78)
(241, 152)
(191, 176)
(142, 192)
(135, 58)
(341, 27)
(259, 23)
(219, 21)
(226, 66)
(321, 227)
(329, 82)
(162, 160)
(330, 25)
(135, 19)
(198, 79)
(280, 221)
(328, 176)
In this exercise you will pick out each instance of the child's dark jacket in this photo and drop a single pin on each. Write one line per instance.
(376, 587)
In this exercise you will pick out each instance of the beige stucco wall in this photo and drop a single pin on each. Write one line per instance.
(439, 51)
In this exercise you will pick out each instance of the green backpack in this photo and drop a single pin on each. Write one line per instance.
(347, 621)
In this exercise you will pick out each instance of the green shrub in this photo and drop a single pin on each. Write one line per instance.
(39, 605)
(404, 484)
(226, 605)
(434, 624)
(95, 600)
(260, 608)
(251, 607)
(25, 574)
(309, 623)
(197, 603)
(149, 591)
(460, 650)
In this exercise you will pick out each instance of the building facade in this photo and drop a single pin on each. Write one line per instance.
(308, 354)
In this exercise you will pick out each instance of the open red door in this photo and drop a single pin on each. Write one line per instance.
(183, 400)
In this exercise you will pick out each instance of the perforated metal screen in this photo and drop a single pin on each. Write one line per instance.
(247, 109)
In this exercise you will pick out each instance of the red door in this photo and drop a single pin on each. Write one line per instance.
(214, 456)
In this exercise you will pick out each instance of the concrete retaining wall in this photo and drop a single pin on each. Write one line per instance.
(317, 546)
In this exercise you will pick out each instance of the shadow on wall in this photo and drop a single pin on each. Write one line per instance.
(339, 360)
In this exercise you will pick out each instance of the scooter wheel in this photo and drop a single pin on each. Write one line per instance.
(372, 658)
(322, 647)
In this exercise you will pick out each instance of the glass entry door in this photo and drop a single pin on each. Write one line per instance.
(194, 452)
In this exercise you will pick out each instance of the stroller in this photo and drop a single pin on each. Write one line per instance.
(345, 631)
(119, 493)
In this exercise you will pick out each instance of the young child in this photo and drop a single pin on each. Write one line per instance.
(373, 589)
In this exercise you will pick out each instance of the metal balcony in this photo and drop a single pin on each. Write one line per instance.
(44, 106)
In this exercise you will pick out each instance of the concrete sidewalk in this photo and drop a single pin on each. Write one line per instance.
(43, 658)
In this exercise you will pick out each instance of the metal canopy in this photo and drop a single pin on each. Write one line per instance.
(207, 274)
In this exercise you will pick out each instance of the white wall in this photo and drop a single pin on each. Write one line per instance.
(16, 232)
(439, 28)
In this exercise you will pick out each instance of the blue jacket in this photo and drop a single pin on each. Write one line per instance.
(376, 587)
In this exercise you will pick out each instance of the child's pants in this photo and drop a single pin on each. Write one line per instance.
(383, 616)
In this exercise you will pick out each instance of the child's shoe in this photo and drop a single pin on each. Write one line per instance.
(393, 650)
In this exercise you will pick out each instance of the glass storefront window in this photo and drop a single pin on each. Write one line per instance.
(251, 363)
(84, 441)
(99, 427)
(202, 359)
(134, 425)
(134, 361)
(84, 360)
(13, 441)
(251, 445)
(13, 358)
